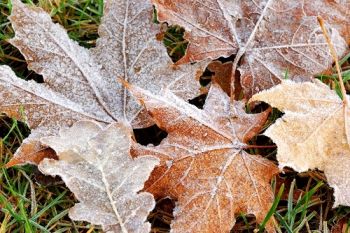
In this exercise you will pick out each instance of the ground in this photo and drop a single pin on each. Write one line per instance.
(31, 202)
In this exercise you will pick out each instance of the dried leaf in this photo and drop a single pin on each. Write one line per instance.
(96, 166)
(313, 133)
(224, 76)
(128, 36)
(67, 68)
(208, 25)
(42, 109)
(81, 84)
(31, 151)
(341, 226)
(268, 37)
(203, 163)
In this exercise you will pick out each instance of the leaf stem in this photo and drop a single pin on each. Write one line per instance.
(335, 58)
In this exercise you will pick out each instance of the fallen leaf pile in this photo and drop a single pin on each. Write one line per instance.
(269, 37)
(81, 117)
(82, 84)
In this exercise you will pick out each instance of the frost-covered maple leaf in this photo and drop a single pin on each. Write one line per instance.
(97, 167)
(203, 163)
(271, 38)
(313, 133)
(82, 84)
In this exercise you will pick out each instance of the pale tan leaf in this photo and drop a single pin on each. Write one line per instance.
(269, 37)
(96, 166)
(313, 132)
(82, 84)
(203, 163)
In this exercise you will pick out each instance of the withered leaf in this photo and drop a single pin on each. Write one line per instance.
(203, 163)
(313, 133)
(128, 49)
(225, 76)
(81, 84)
(208, 25)
(270, 38)
(96, 165)
(44, 111)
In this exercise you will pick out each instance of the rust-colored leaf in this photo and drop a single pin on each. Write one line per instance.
(341, 226)
(208, 27)
(271, 39)
(225, 76)
(203, 163)
(31, 152)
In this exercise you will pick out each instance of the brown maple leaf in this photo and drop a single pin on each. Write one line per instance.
(313, 133)
(80, 83)
(224, 76)
(203, 163)
(270, 38)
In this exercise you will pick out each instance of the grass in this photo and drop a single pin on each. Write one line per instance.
(332, 79)
(30, 202)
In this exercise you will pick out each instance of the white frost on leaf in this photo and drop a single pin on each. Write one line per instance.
(267, 37)
(86, 80)
(313, 132)
(127, 49)
(203, 162)
(96, 165)
(42, 109)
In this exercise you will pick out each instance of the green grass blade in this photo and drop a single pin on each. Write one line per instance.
(272, 209)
